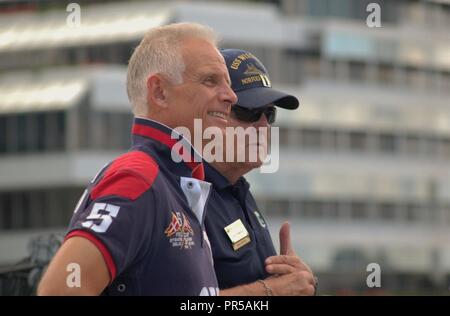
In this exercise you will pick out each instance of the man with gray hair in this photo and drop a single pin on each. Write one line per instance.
(139, 227)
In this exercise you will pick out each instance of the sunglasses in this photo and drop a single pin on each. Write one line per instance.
(253, 115)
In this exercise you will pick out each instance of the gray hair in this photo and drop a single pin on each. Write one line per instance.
(159, 52)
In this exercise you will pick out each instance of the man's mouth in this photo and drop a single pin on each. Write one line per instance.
(221, 115)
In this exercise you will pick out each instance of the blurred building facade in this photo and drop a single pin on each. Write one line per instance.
(364, 163)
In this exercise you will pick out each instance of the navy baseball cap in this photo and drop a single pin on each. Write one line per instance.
(250, 81)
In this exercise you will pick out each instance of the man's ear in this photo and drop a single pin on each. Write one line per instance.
(156, 91)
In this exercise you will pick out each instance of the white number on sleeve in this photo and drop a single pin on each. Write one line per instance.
(106, 219)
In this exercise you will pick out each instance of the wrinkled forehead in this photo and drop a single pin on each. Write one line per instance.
(198, 52)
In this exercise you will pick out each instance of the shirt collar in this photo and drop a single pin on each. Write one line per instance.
(170, 138)
(220, 182)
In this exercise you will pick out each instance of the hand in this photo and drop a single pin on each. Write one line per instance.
(291, 275)
(287, 261)
(300, 283)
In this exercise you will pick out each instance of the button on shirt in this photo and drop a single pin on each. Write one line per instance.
(228, 203)
(145, 213)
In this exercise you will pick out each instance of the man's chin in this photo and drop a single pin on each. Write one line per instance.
(253, 165)
(258, 151)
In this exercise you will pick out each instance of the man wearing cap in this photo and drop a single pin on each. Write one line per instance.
(244, 256)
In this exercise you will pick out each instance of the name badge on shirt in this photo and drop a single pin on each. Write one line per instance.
(238, 235)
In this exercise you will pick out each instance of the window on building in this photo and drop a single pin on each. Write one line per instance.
(271, 207)
(311, 138)
(3, 134)
(350, 259)
(445, 82)
(359, 210)
(311, 209)
(411, 212)
(123, 122)
(387, 211)
(292, 68)
(33, 132)
(415, 78)
(358, 141)
(283, 207)
(388, 143)
(41, 208)
(431, 146)
(331, 209)
(318, 7)
(11, 133)
(21, 131)
(412, 145)
(357, 71)
(60, 130)
(311, 67)
(5, 210)
(40, 131)
(284, 136)
(447, 213)
(445, 148)
(386, 75)
(330, 139)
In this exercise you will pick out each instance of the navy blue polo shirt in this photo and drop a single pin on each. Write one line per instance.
(227, 204)
(145, 213)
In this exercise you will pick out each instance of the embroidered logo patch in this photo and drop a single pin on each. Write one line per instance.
(261, 220)
(179, 231)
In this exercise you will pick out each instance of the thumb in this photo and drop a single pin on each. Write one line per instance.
(285, 240)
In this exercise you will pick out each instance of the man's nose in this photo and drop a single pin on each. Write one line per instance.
(262, 122)
(228, 95)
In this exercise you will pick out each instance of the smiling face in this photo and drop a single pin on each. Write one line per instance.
(205, 92)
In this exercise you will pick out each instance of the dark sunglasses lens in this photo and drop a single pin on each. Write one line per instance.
(246, 115)
(271, 114)
(251, 116)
